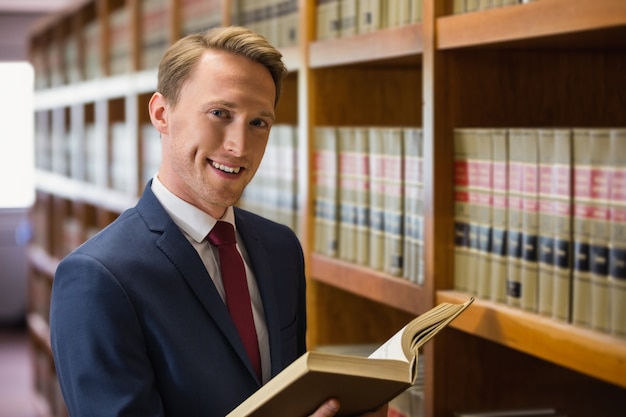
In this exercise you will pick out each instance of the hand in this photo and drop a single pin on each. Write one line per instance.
(331, 407)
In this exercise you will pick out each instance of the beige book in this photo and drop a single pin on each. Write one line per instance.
(362, 195)
(369, 16)
(562, 191)
(413, 213)
(360, 384)
(377, 198)
(581, 279)
(617, 243)
(393, 200)
(514, 232)
(530, 218)
(499, 216)
(348, 17)
(347, 194)
(325, 190)
(599, 228)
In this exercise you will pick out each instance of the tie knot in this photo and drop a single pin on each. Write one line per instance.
(223, 233)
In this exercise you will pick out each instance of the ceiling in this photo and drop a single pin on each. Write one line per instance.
(33, 6)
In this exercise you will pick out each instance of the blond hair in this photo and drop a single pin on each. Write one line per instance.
(180, 59)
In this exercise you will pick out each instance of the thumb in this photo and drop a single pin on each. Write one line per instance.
(328, 409)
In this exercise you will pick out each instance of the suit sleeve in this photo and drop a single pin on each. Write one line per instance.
(98, 347)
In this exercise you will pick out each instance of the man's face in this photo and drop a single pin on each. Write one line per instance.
(215, 136)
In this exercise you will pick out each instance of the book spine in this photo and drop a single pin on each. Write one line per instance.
(547, 219)
(581, 297)
(348, 18)
(499, 215)
(514, 232)
(393, 200)
(562, 191)
(362, 197)
(347, 191)
(483, 207)
(326, 191)
(530, 217)
(461, 209)
(413, 184)
(617, 244)
(599, 232)
(377, 198)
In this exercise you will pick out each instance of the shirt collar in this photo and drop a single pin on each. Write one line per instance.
(189, 218)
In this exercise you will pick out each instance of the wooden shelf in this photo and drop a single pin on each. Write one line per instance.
(368, 283)
(75, 190)
(537, 20)
(100, 89)
(40, 330)
(401, 42)
(592, 353)
(39, 259)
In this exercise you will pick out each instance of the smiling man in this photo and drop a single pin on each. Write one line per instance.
(145, 319)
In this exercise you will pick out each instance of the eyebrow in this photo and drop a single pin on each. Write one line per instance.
(232, 105)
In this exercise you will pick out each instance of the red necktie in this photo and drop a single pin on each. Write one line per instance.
(236, 287)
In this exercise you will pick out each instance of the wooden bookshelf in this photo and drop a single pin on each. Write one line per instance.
(548, 63)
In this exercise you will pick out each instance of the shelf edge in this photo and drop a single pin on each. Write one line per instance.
(599, 355)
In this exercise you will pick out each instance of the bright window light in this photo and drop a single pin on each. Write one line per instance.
(16, 137)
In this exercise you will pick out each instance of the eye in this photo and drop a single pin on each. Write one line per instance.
(219, 113)
(259, 123)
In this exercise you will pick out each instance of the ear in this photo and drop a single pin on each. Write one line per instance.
(158, 112)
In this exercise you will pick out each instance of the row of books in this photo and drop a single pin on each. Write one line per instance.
(540, 221)
(273, 193)
(467, 6)
(368, 197)
(340, 18)
(59, 61)
(277, 20)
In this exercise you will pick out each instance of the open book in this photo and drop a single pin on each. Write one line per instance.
(360, 383)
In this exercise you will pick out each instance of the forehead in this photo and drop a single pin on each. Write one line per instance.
(217, 65)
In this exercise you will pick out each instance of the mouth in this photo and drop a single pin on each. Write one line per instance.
(225, 168)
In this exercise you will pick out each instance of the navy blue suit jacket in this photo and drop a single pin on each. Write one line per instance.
(138, 328)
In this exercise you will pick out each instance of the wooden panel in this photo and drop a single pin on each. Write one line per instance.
(341, 317)
(472, 373)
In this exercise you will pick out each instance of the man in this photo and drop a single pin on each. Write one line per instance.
(139, 323)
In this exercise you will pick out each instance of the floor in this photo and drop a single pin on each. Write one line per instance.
(16, 375)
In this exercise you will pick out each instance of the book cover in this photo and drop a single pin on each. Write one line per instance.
(377, 199)
(581, 280)
(599, 227)
(562, 192)
(413, 212)
(499, 216)
(462, 150)
(326, 212)
(530, 218)
(617, 242)
(393, 186)
(362, 195)
(360, 384)
(514, 232)
(347, 194)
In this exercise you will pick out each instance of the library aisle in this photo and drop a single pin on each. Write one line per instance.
(16, 376)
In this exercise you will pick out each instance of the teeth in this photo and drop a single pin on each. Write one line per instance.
(224, 168)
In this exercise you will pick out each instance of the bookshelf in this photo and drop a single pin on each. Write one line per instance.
(548, 63)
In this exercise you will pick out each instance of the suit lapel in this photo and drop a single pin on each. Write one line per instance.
(184, 257)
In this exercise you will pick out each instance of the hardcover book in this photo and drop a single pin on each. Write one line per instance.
(359, 383)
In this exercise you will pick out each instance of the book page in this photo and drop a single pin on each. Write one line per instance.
(391, 349)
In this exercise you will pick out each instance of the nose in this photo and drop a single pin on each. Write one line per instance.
(235, 140)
